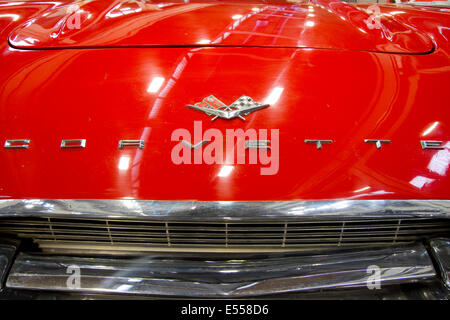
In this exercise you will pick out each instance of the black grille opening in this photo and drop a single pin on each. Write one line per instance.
(112, 235)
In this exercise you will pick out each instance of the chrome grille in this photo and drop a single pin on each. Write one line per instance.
(144, 235)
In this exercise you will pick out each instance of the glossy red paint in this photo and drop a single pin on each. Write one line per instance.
(132, 23)
(346, 93)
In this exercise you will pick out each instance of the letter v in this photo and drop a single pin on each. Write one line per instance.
(194, 146)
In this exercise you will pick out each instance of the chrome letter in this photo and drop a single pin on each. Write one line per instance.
(17, 144)
(131, 143)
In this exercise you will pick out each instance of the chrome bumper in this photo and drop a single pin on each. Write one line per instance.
(440, 249)
(224, 210)
(8, 249)
(253, 276)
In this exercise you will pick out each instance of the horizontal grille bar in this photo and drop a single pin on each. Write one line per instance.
(232, 235)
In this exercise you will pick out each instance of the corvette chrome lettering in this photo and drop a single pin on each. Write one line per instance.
(131, 143)
(249, 144)
(73, 143)
(17, 144)
(377, 142)
(428, 144)
(318, 142)
(257, 144)
(194, 146)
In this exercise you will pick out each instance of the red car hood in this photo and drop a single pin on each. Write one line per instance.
(337, 89)
(328, 25)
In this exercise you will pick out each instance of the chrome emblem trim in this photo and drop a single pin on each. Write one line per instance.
(17, 144)
(319, 142)
(377, 142)
(194, 146)
(257, 144)
(429, 144)
(73, 143)
(131, 143)
(217, 109)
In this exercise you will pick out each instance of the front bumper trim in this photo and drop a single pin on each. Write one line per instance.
(224, 210)
(254, 276)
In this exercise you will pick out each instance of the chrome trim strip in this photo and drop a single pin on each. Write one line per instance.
(440, 249)
(225, 210)
(252, 276)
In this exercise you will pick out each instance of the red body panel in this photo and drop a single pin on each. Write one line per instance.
(343, 94)
(132, 23)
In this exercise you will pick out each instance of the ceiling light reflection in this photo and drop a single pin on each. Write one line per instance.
(124, 163)
(274, 95)
(430, 128)
(420, 181)
(225, 171)
(362, 189)
(155, 85)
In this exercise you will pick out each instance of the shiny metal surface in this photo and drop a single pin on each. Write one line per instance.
(194, 146)
(437, 145)
(73, 143)
(131, 143)
(319, 142)
(217, 109)
(7, 251)
(441, 251)
(80, 236)
(224, 210)
(257, 144)
(253, 276)
(16, 144)
(425, 290)
(377, 142)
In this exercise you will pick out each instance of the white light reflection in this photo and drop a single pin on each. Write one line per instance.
(124, 163)
(204, 41)
(14, 17)
(440, 161)
(274, 95)
(229, 271)
(132, 205)
(237, 16)
(396, 12)
(225, 171)
(310, 24)
(430, 128)
(362, 189)
(420, 181)
(124, 287)
(155, 85)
